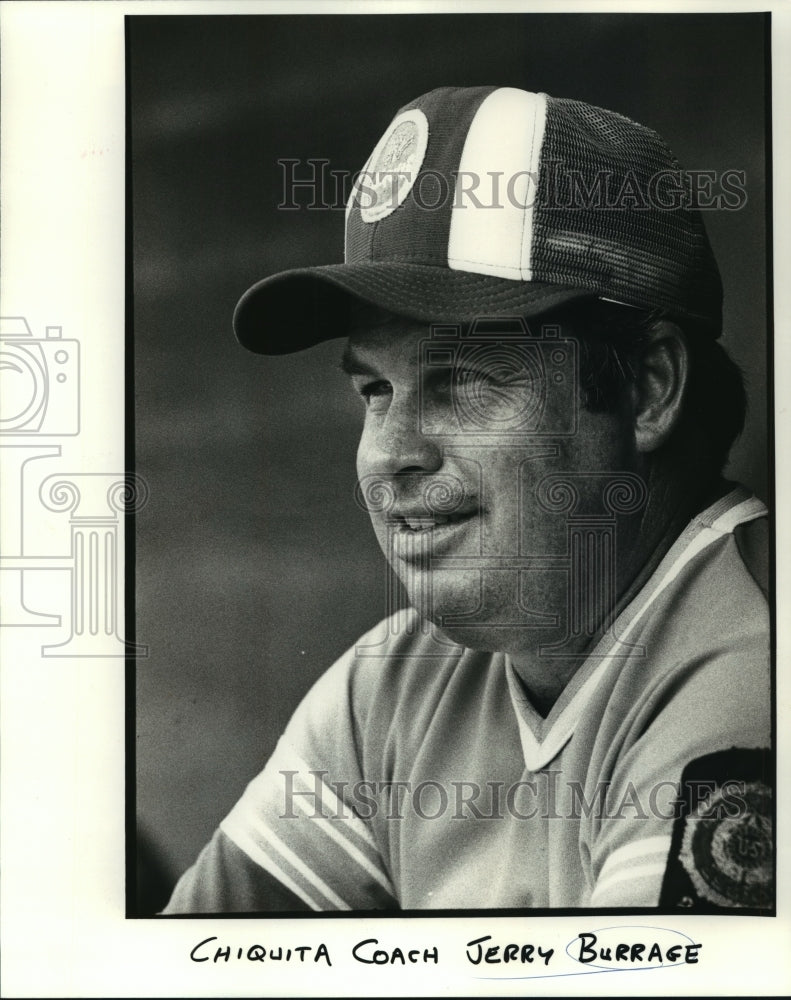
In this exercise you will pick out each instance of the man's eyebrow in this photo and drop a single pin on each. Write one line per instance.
(352, 364)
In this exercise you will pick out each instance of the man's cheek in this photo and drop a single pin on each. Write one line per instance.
(546, 594)
(380, 530)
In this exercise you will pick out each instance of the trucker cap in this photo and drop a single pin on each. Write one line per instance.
(497, 201)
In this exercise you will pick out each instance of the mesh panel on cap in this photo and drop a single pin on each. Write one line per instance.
(645, 255)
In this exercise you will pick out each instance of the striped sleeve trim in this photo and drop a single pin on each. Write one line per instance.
(632, 875)
(292, 823)
(309, 784)
(335, 834)
(305, 884)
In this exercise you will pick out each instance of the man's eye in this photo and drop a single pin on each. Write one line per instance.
(373, 391)
(481, 382)
(493, 376)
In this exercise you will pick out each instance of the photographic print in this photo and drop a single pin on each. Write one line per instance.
(550, 384)
(391, 528)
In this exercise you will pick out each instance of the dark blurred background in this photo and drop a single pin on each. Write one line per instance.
(255, 568)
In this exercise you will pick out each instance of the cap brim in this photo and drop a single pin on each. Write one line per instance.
(296, 309)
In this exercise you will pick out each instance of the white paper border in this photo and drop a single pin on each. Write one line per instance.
(62, 243)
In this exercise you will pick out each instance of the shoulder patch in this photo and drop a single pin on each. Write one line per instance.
(722, 849)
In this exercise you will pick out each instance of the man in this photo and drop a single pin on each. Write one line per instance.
(575, 710)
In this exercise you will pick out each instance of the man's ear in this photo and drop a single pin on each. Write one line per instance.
(658, 391)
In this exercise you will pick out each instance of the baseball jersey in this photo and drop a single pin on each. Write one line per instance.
(416, 773)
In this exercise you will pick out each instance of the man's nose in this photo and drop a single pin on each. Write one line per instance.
(399, 443)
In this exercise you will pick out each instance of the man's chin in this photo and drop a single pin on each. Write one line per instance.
(480, 615)
(489, 637)
(442, 595)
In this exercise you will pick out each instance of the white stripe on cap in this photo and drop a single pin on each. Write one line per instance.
(505, 138)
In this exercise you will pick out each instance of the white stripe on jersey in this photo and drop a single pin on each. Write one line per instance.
(250, 842)
(630, 875)
(634, 851)
(747, 510)
(505, 138)
(346, 849)
(341, 811)
(333, 830)
(538, 754)
(638, 859)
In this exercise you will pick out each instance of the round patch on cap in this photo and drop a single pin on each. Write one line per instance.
(729, 858)
(393, 167)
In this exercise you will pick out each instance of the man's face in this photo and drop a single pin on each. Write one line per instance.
(471, 454)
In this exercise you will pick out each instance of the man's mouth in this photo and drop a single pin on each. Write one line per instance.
(414, 533)
(417, 523)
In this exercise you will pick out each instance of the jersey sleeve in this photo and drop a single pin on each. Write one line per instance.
(296, 839)
(689, 820)
(224, 879)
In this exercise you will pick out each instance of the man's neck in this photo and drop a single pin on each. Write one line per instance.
(666, 514)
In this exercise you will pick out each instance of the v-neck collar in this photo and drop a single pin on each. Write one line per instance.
(543, 738)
